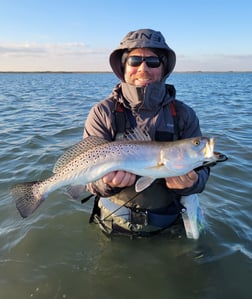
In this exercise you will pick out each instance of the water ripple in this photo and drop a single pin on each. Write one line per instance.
(56, 248)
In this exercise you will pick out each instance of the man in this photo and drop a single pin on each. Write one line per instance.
(143, 61)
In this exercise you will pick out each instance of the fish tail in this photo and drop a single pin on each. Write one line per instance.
(23, 195)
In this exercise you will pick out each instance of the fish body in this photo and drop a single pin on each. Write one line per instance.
(94, 157)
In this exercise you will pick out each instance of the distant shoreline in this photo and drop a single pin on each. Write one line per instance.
(109, 72)
(54, 72)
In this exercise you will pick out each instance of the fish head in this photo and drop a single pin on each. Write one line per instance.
(184, 155)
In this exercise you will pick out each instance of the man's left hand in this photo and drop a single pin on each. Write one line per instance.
(183, 181)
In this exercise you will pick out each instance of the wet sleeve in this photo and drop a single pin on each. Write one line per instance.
(101, 189)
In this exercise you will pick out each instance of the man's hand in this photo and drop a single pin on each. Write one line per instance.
(119, 179)
(183, 181)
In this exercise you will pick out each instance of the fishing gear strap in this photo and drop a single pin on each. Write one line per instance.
(96, 210)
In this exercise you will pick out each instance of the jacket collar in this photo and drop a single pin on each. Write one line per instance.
(148, 98)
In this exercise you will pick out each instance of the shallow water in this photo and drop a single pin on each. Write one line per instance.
(56, 253)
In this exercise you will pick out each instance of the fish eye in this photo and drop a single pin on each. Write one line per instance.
(196, 142)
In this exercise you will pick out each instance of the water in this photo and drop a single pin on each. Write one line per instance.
(56, 253)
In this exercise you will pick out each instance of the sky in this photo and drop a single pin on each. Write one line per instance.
(79, 35)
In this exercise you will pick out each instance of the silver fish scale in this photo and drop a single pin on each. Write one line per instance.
(92, 142)
(107, 150)
(100, 154)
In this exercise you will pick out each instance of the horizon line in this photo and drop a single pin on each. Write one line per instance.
(83, 72)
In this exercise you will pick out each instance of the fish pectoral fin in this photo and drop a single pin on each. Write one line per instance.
(158, 166)
(142, 183)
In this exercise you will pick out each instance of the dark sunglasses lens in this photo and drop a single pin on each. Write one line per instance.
(134, 60)
(151, 61)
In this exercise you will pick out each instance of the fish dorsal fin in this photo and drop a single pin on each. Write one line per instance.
(137, 134)
(76, 150)
(143, 182)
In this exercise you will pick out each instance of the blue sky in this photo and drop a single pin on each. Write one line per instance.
(78, 35)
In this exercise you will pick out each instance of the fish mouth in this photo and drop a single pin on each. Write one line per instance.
(209, 149)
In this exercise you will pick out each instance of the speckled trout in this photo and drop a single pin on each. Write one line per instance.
(93, 157)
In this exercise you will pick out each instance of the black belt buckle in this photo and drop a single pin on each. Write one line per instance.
(138, 216)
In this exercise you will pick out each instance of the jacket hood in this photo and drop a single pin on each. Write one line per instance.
(142, 38)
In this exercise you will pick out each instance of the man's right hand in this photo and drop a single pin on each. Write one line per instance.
(119, 179)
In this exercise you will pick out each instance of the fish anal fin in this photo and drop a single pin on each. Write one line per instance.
(75, 191)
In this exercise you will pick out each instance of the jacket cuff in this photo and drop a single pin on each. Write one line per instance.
(101, 189)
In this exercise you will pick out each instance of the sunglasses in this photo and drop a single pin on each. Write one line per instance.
(151, 61)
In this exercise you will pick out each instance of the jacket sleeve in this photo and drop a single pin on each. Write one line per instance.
(100, 122)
